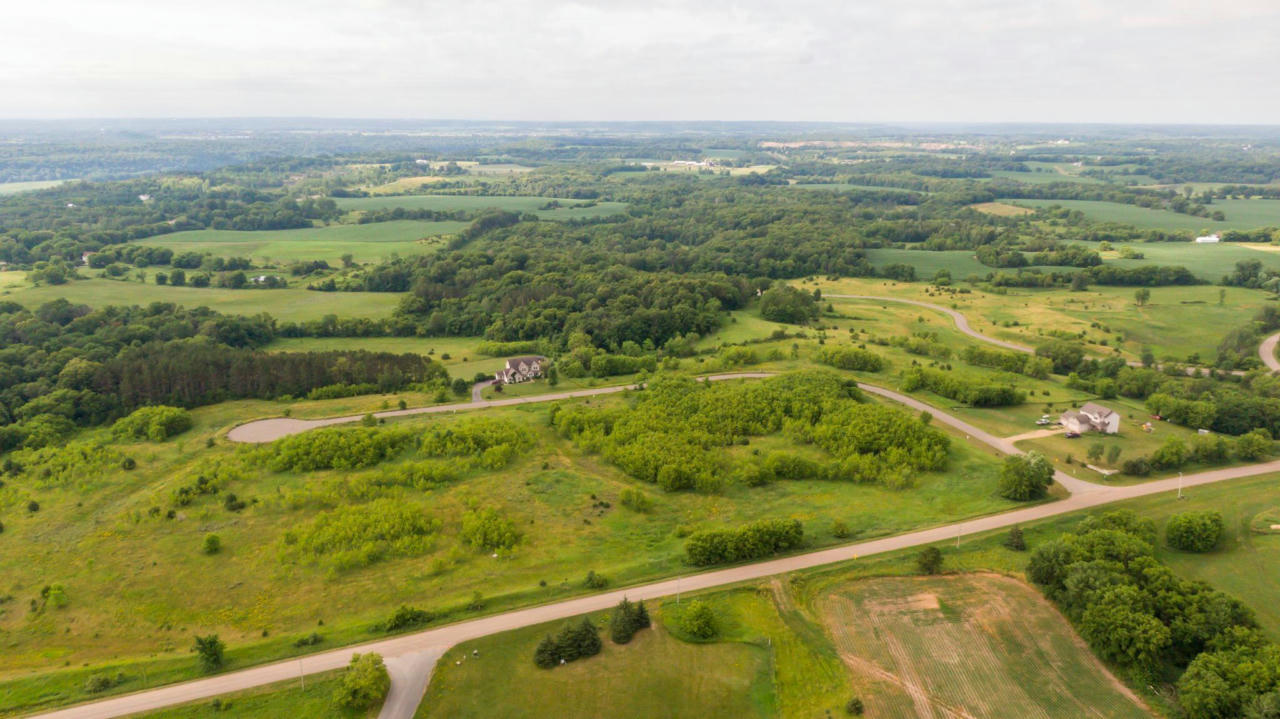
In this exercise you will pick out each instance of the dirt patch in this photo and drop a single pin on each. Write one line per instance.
(1001, 209)
(969, 645)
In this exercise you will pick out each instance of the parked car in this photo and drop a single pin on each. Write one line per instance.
(1071, 435)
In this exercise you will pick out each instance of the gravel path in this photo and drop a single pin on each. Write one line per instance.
(1267, 350)
(962, 322)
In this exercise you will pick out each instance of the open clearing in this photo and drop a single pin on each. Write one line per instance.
(297, 305)
(367, 243)
(1240, 214)
(1001, 209)
(1208, 261)
(570, 209)
(655, 675)
(969, 645)
(13, 188)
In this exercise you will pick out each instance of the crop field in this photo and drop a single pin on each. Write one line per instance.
(570, 210)
(366, 243)
(291, 304)
(970, 645)
(1240, 214)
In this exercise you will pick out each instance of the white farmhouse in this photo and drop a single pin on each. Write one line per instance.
(1091, 418)
(1209, 239)
(521, 369)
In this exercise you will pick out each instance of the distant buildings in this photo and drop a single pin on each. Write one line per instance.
(521, 369)
(1091, 418)
(1209, 239)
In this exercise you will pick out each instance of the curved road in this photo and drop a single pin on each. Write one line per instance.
(411, 656)
(1267, 351)
(962, 322)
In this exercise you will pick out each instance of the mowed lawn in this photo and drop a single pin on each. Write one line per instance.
(654, 675)
(456, 353)
(1240, 214)
(967, 645)
(13, 188)
(366, 243)
(570, 210)
(297, 305)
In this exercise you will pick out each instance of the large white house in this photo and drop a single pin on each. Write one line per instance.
(1209, 239)
(521, 369)
(1091, 418)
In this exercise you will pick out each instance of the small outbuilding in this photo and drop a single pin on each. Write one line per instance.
(1209, 239)
(1091, 418)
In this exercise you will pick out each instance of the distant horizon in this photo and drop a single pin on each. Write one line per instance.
(1071, 61)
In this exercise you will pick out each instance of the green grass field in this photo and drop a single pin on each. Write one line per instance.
(654, 675)
(366, 243)
(472, 203)
(1240, 214)
(291, 304)
(13, 188)
(1208, 261)
(462, 359)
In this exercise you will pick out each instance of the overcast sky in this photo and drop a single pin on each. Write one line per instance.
(840, 60)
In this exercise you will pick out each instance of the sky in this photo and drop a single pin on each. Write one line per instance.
(1166, 61)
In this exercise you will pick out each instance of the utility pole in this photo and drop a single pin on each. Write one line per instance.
(302, 677)
(1179, 485)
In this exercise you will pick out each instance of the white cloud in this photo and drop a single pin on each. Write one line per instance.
(1052, 60)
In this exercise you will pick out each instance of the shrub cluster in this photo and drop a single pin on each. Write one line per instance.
(750, 541)
(336, 391)
(154, 423)
(970, 392)
(850, 358)
(489, 531)
(365, 683)
(1016, 362)
(405, 617)
(572, 642)
(333, 448)
(357, 536)
(1194, 531)
(697, 620)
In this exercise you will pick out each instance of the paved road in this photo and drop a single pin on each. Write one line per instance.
(268, 430)
(1267, 350)
(435, 641)
(962, 322)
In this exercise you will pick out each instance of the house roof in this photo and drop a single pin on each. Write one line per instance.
(515, 361)
(1097, 410)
